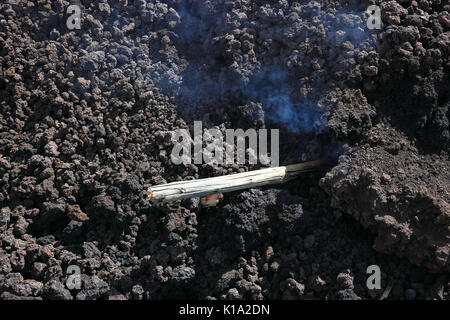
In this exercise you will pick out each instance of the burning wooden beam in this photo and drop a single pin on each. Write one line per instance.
(204, 188)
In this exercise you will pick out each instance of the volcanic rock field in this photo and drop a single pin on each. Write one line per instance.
(85, 128)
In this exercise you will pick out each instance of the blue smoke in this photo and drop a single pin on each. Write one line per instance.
(296, 117)
(271, 87)
(204, 82)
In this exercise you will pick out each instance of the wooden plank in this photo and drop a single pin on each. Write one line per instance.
(179, 190)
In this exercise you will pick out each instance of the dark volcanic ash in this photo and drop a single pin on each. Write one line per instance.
(85, 126)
